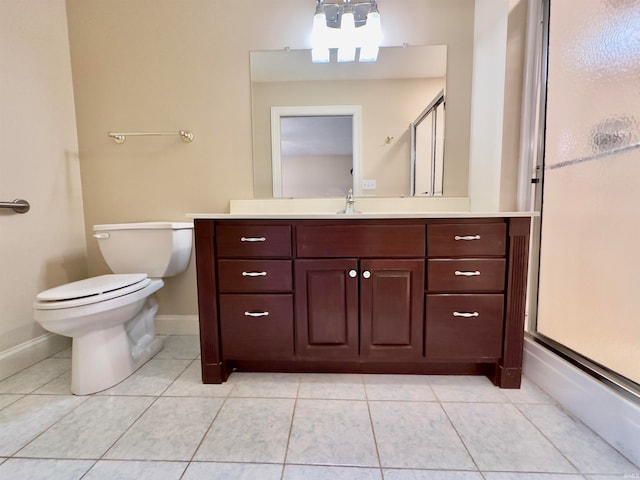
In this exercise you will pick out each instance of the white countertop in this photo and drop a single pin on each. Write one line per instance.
(371, 208)
(356, 216)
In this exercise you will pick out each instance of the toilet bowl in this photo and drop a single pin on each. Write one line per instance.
(111, 317)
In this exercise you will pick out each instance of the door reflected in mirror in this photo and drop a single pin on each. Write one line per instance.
(427, 150)
(315, 150)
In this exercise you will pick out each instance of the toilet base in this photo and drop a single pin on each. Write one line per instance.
(103, 358)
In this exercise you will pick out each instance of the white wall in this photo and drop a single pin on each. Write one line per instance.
(38, 162)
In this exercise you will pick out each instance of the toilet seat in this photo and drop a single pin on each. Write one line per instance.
(91, 290)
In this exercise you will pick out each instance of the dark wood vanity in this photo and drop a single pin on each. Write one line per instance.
(384, 295)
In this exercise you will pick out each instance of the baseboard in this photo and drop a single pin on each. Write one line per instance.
(177, 325)
(28, 353)
(612, 416)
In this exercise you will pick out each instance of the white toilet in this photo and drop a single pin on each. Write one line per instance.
(111, 317)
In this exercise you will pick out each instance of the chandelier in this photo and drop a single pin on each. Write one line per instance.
(346, 25)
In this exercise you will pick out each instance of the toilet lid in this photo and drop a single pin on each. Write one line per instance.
(92, 287)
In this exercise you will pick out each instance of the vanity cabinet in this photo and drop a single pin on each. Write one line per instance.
(386, 295)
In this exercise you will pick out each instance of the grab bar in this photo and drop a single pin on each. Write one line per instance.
(18, 205)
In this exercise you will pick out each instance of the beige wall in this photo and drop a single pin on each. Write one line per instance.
(388, 106)
(38, 162)
(165, 65)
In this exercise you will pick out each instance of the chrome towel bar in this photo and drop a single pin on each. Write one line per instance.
(120, 137)
(18, 205)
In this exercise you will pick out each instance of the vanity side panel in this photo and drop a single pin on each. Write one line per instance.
(509, 372)
(212, 369)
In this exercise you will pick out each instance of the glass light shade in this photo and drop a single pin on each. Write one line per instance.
(319, 33)
(347, 48)
(368, 53)
(320, 55)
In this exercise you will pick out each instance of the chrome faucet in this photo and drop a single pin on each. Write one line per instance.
(350, 206)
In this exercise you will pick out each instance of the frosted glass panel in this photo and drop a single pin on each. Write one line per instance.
(589, 292)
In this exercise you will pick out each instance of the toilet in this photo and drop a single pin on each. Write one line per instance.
(111, 317)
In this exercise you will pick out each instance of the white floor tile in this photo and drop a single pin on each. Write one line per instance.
(249, 430)
(588, 452)
(58, 386)
(398, 387)
(162, 423)
(453, 388)
(27, 469)
(527, 393)
(25, 419)
(500, 438)
(531, 476)
(265, 385)
(152, 378)
(171, 429)
(8, 399)
(312, 472)
(32, 378)
(130, 470)
(235, 471)
(334, 386)
(189, 384)
(332, 432)
(181, 347)
(430, 475)
(89, 430)
(417, 435)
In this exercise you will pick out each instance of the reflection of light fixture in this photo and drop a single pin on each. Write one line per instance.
(346, 25)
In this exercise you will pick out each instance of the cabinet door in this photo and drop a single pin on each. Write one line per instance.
(326, 306)
(391, 309)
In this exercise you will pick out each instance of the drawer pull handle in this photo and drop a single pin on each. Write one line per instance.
(254, 274)
(467, 237)
(466, 314)
(253, 239)
(467, 274)
(256, 314)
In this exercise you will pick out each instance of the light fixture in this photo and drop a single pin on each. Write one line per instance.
(346, 25)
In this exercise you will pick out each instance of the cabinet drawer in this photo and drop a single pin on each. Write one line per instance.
(239, 276)
(466, 239)
(466, 275)
(251, 241)
(256, 326)
(464, 326)
(360, 241)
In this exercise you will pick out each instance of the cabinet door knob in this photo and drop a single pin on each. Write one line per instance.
(353, 273)
(254, 274)
(466, 314)
(466, 274)
(256, 314)
(467, 237)
(366, 274)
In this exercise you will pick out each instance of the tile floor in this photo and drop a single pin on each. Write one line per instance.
(163, 424)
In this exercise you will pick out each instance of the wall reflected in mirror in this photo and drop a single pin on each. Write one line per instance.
(391, 92)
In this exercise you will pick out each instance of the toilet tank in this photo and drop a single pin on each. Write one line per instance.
(159, 249)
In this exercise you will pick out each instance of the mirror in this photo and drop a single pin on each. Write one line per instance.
(391, 93)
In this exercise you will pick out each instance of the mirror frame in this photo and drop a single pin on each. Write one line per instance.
(354, 111)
